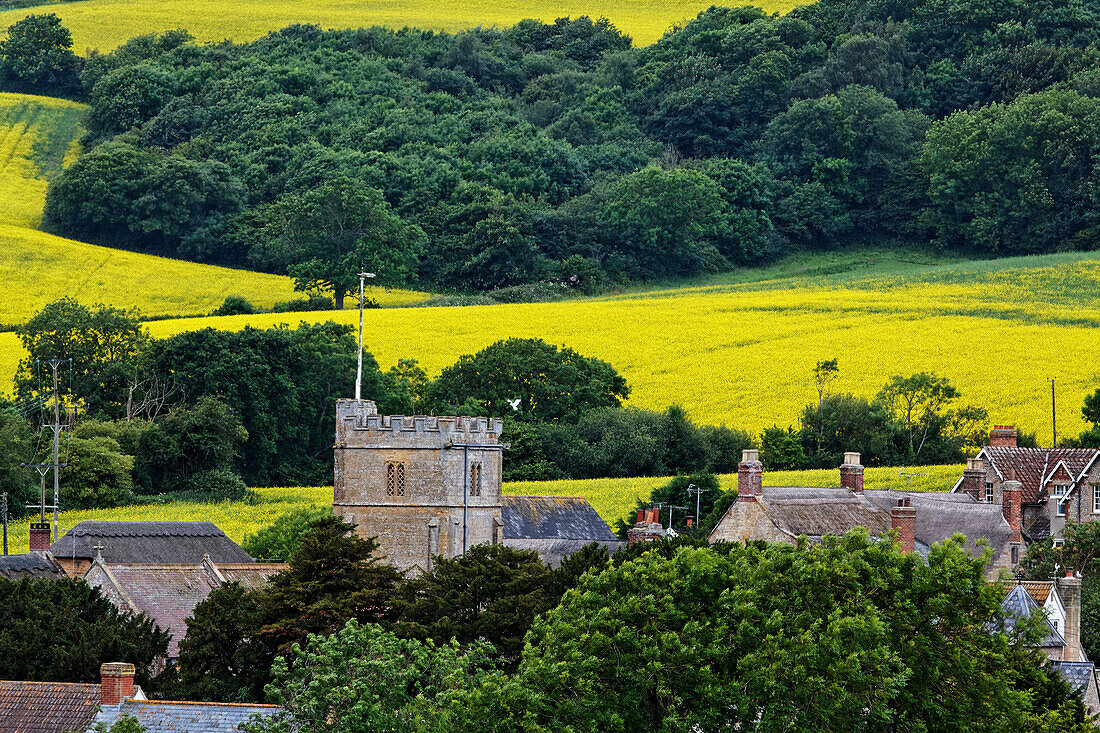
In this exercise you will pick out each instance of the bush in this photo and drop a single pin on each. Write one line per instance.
(96, 474)
(313, 303)
(234, 305)
(219, 484)
(280, 539)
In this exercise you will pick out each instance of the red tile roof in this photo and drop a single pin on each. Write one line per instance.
(47, 707)
(1034, 466)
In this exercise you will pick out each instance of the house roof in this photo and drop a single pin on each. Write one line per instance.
(166, 716)
(941, 515)
(30, 565)
(815, 512)
(1078, 674)
(1035, 466)
(1039, 529)
(1039, 590)
(46, 707)
(553, 517)
(168, 593)
(149, 542)
(1018, 604)
(552, 552)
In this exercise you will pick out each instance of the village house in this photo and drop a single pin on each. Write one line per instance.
(429, 487)
(782, 514)
(1059, 485)
(167, 593)
(64, 707)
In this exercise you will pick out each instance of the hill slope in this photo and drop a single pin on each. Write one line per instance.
(742, 354)
(106, 24)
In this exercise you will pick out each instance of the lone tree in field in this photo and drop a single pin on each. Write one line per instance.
(329, 235)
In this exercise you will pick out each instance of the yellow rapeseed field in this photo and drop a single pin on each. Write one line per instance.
(743, 354)
(104, 24)
(611, 498)
(36, 135)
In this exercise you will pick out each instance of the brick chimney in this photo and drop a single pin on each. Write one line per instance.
(647, 529)
(1069, 590)
(1003, 436)
(750, 476)
(40, 536)
(116, 682)
(851, 473)
(1012, 505)
(973, 482)
(903, 519)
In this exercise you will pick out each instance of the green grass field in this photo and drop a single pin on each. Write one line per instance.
(104, 24)
(612, 498)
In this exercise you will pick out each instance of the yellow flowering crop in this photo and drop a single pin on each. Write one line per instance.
(105, 24)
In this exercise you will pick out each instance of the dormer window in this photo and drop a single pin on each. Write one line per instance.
(395, 478)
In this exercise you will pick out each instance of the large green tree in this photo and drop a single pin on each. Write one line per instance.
(37, 57)
(328, 235)
(549, 383)
(850, 635)
(62, 630)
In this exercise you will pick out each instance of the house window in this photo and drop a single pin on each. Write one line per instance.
(1059, 542)
(988, 492)
(1096, 498)
(475, 479)
(395, 479)
(1054, 623)
(1059, 495)
(1015, 555)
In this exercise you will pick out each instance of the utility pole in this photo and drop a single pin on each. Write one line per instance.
(359, 370)
(693, 489)
(909, 476)
(56, 466)
(1053, 414)
(5, 509)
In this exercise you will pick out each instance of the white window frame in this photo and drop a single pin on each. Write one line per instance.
(1059, 542)
(1096, 498)
(1059, 493)
(988, 492)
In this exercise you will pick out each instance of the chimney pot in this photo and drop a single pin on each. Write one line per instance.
(851, 473)
(689, 522)
(1003, 436)
(750, 455)
(39, 536)
(641, 516)
(116, 682)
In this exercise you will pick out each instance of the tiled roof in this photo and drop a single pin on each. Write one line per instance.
(553, 517)
(46, 707)
(149, 542)
(1019, 604)
(30, 565)
(1077, 674)
(168, 593)
(1038, 589)
(164, 716)
(1039, 529)
(1033, 466)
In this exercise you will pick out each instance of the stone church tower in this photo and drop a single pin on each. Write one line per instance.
(424, 486)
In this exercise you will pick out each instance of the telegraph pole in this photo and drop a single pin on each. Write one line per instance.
(56, 466)
(693, 489)
(1053, 414)
(359, 370)
(5, 510)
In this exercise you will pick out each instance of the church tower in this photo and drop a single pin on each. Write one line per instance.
(424, 486)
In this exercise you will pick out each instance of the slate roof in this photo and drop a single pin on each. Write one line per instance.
(149, 542)
(1039, 529)
(1019, 604)
(165, 716)
(168, 593)
(1034, 466)
(553, 517)
(1077, 674)
(553, 552)
(46, 707)
(30, 565)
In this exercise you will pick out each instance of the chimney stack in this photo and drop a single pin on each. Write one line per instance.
(116, 682)
(40, 536)
(903, 520)
(750, 476)
(1069, 590)
(647, 529)
(851, 473)
(1003, 436)
(973, 482)
(1012, 497)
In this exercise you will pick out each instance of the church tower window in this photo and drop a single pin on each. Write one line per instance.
(395, 479)
(475, 479)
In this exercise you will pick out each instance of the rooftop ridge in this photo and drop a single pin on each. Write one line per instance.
(204, 704)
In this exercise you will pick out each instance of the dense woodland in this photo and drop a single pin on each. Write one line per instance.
(493, 158)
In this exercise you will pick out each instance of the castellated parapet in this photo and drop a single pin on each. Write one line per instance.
(424, 486)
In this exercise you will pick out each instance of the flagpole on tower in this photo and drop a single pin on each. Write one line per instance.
(359, 369)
